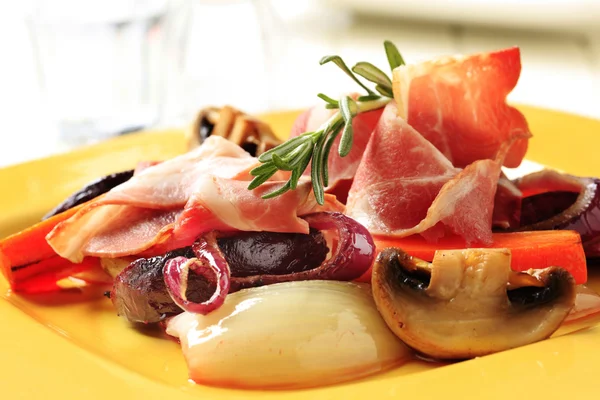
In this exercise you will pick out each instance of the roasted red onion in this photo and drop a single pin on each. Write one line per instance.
(140, 295)
(209, 263)
(352, 254)
(561, 201)
(355, 249)
(272, 253)
(151, 288)
(543, 206)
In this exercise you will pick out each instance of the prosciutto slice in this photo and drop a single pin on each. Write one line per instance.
(172, 182)
(548, 180)
(405, 186)
(459, 105)
(400, 175)
(341, 170)
(464, 205)
(169, 205)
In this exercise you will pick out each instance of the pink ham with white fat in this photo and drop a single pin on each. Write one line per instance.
(405, 186)
(398, 178)
(464, 205)
(341, 169)
(169, 205)
(459, 105)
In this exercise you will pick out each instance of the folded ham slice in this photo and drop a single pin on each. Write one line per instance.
(459, 105)
(341, 169)
(405, 186)
(169, 205)
(400, 175)
(464, 205)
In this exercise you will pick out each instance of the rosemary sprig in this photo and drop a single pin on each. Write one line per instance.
(297, 153)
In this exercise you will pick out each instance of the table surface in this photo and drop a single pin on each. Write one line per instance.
(560, 70)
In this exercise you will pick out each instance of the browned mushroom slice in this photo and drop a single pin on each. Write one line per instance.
(250, 133)
(468, 303)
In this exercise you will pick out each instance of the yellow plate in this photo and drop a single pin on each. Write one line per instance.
(72, 345)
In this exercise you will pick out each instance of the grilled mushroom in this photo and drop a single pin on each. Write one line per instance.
(468, 303)
(251, 134)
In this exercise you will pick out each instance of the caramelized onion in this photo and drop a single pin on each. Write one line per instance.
(209, 263)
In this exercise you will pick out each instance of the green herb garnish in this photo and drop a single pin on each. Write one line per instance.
(297, 153)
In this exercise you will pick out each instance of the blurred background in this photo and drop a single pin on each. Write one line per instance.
(78, 71)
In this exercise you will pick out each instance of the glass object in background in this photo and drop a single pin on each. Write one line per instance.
(297, 35)
(223, 60)
(100, 64)
(257, 55)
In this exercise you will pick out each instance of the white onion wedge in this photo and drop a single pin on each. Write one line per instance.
(289, 335)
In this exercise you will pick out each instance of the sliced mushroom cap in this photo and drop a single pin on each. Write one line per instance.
(468, 303)
(250, 133)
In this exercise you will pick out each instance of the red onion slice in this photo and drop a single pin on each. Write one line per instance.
(355, 251)
(549, 189)
(352, 255)
(210, 264)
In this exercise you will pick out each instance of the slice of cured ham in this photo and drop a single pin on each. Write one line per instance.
(459, 105)
(400, 175)
(341, 169)
(172, 182)
(464, 205)
(167, 206)
(405, 186)
(548, 180)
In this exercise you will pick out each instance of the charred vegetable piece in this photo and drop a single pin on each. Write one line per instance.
(91, 191)
(269, 253)
(274, 258)
(139, 292)
(468, 303)
(208, 263)
(249, 133)
(351, 255)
